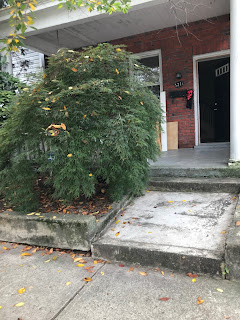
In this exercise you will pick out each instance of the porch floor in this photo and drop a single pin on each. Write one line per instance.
(204, 156)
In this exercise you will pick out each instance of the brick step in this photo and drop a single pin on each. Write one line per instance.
(183, 184)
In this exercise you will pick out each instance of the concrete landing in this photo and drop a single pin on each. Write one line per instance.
(185, 231)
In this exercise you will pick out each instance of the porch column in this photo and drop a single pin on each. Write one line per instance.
(235, 82)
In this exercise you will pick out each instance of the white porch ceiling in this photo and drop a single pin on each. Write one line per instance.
(92, 29)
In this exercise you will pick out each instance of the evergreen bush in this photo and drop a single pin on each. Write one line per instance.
(89, 120)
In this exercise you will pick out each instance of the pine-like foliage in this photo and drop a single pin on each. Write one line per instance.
(89, 119)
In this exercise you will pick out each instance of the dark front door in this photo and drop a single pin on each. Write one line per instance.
(214, 97)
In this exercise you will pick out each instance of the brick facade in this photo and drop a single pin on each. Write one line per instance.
(177, 56)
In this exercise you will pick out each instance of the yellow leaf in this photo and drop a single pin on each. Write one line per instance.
(74, 69)
(184, 201)
(68, 283)
(170, 201)
(223, 231)
(47, 261)
(84, 116)
(90, 174)
(162, 272)
(194, 280)
(59, 271)
(20, 304)
(44, 76)
(54, 217)
(31, 6)
(26, 254)
(220, 290)
(70, 88)
(45, 108)
(199, 300)
(117, 222)
(11, 14)
(0, 307)
(37, 214)
(149, 231)
(109, 207)
(18, 4)
(54, 258)
(117, 71)
(141, 103)
(102, 273)
(22, 37)
(117, 234)
(69, 155)
(78, 259)
(127, 92)
(87, 279)
(63, 126)
(21, 290)
(118, 50)
(143, 273)
(80, 265)
(4, 248)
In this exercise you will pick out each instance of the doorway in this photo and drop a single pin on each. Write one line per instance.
(214, 100)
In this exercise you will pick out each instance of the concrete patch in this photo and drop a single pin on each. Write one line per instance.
(53, 230)
(178, 230)
(233, 247)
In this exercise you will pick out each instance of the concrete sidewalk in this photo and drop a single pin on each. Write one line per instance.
(55, 290)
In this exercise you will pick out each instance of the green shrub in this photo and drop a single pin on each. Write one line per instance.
(88, 120)
(8, 87)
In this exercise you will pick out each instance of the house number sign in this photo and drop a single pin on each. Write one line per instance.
(179, 84)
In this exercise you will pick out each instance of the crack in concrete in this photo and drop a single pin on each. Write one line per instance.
(74, 296)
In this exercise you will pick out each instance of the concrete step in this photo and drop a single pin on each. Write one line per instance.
(231, 185)
(226, 172)
(179, 231)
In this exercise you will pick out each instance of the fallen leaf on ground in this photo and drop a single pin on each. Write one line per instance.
(191, 275)
(0, 307)
(238, 223)
(131, 269)
(47, 260)
(121, 265)
(170, 201)
(162, 272)
(80, 265)
(26, 254)
(31, 214)
(54, 217)
(89, 268)
(220, 290)
(78, 259)
(50, 251)
(68, 283)
(20, 304)
(199, 300)
(21, 290)
(117, 234)
(102, 273)
(194, 280)
(227, 317)
(87, 279)
(117, 222)
(164, 299)
(223, 231)
(143, 273)
(54, 258)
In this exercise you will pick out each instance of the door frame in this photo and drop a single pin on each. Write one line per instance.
(196, 59)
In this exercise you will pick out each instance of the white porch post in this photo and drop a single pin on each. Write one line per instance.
(235, 82)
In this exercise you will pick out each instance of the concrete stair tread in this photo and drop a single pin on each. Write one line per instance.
(208, 180)
(177, 230)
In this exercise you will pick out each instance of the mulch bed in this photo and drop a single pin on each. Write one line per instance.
(97, 206)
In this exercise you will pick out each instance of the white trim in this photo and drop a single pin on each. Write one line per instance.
(196, 59)
(163, 104)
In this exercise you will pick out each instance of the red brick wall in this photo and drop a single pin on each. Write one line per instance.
(177, 56)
